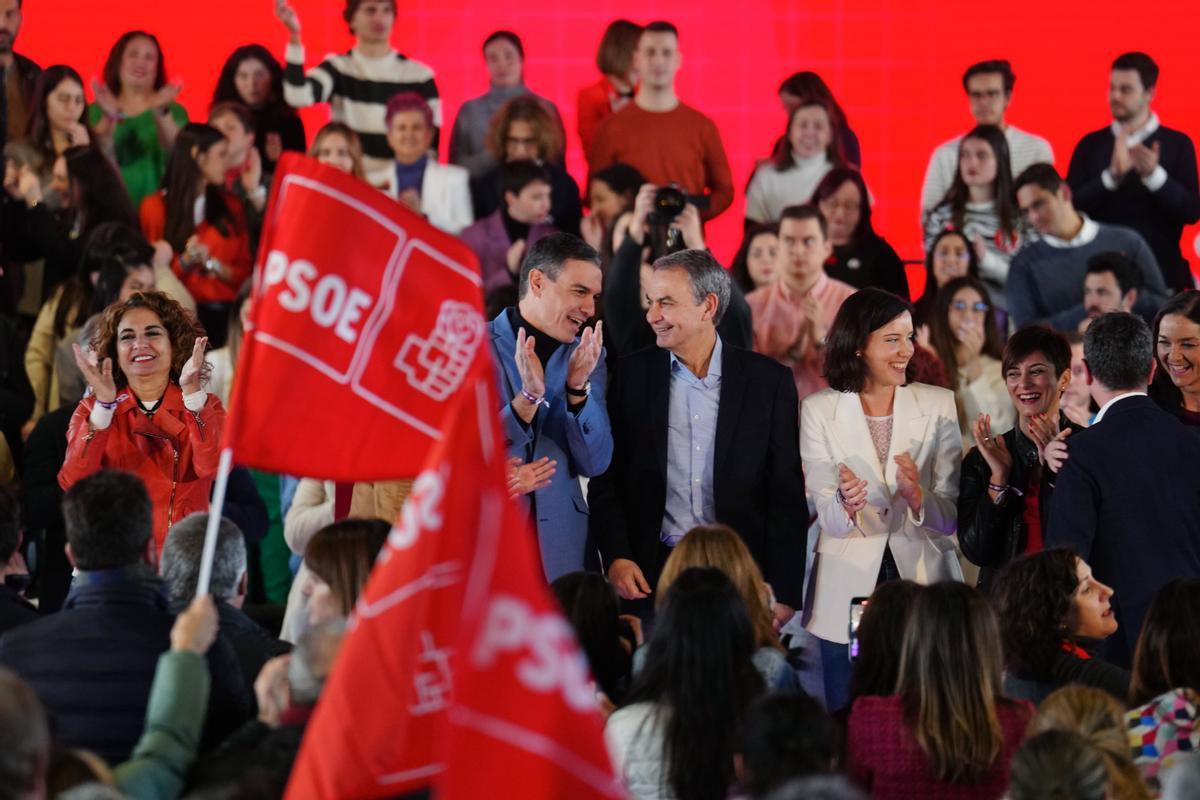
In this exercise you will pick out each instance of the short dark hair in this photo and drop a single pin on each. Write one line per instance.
(352, 8)
(109, 519)
(514, 176)
(615, 54)
(1141, 63)
(10, 524)
(1037, 339)
(993, 66)
(1167, 655)
(1120, 265)
(505, 36)
(182, 552)
(864, 311)
(244, 115)
(1119, 350)
(803, 212)
(785, 736)
(1040, 174)
(705, 275)
(661, 26)
(1058, 763)
(550, 254)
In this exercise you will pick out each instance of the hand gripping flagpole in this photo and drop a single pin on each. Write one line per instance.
(214, 522)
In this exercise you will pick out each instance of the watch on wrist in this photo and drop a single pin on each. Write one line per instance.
(584, 392)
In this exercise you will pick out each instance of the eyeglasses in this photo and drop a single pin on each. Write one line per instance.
(963, 305)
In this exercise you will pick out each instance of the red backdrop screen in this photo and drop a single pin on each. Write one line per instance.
(895, 66)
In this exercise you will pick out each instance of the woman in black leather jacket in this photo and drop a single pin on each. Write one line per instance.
(1005, 489)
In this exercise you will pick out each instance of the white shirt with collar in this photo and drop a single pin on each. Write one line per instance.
(1087, 234)
(1104, 408)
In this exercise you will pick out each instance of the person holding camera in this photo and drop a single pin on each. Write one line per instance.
(662, 222)
(793, 313)
(663, 138)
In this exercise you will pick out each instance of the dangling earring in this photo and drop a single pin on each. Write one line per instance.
(858, 353)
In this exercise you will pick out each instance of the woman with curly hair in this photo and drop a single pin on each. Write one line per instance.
(148, 412)
(1053, 613)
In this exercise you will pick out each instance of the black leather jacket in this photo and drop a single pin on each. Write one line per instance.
(991, 535)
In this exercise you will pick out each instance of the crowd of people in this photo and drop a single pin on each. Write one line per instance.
(815, 539)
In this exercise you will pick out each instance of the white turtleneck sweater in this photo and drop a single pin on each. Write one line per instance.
(772, 190)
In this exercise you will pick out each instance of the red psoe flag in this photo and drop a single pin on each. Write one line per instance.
(364, 321)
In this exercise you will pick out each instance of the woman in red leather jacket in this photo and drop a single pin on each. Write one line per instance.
(147, 411)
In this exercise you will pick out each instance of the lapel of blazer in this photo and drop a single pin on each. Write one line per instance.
(853, 438)
(910, 424)
(504, 341)
(733, 392)
(658, 401)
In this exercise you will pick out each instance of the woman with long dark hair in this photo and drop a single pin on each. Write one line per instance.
(135, 109)
(212, 256)
(1053, 615)
(947, 256)
(881, 457)
(677, 735)
(590, 604)
(755, 262)
(965, 337)
(808, 150)
(946, 731)
(611, 194)
(802, 87)
(252, 76)
(59, 119)
(982, 206)
(861, 257)
(1176, 386)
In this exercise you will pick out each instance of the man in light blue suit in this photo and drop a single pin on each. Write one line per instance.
(552, 384)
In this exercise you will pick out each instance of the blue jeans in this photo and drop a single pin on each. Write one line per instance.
(835, 670)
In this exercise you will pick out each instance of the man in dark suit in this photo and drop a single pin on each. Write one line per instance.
(1138, 173)
(14, 610)
(1128, 497)
(703, 432)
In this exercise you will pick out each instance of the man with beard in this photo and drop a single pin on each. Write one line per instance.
(20, 76)
(1137, 172)
(1111, 284)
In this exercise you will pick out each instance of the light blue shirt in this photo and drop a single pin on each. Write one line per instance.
(691, 445)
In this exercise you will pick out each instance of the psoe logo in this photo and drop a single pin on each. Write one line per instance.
(437, 365)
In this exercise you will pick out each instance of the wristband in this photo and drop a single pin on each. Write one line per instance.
(110, 406)
(995, 487)
(536, 401)
(584, 392)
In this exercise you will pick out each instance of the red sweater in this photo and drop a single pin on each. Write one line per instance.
(883, 756)
(232, 250)
(681, 146)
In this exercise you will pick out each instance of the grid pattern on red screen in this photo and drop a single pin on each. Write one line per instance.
(895, 65)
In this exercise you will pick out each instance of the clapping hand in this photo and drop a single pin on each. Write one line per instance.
(908, 481)
(105, 98)
(525, 478)
(1145, 159)
(1122, 159)
(1055, 453)
(1043, 430)
(165, 96)
(585, 357)
(99, 378)
(189, 376)
(854, 491)
(993, 449)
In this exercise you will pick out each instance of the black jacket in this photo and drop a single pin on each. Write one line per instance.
(625, 328)
(757, 481)
(870, 262)
(992, 535)
(252, 645)
(1128, 501)
(14, 610)
(41, 506)
(1158, 216)
(92, 664)
(1067, 668)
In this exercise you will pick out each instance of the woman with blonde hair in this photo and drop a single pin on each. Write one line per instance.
(946, 731)
(339, 146)
(719, 546)
(1100, 720)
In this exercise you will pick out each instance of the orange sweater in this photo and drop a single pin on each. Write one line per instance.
(680, 146)
(232, 250)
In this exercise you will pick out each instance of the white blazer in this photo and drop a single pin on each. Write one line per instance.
(445, 194)
(833, 430)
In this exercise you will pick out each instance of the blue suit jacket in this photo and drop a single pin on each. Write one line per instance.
(580, 443)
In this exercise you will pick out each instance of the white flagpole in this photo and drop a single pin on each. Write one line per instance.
(214, 522)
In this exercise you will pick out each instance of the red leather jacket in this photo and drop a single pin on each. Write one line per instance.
(174, 451)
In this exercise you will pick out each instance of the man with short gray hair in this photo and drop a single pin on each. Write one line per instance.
(181, 571)
(552, 385)
(703, 433)
(1127, 500)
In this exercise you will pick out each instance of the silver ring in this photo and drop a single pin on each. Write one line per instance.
(987, 438)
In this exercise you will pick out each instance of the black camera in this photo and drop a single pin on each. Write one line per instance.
(669, 202)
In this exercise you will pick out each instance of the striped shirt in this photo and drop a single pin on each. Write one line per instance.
(357, 89)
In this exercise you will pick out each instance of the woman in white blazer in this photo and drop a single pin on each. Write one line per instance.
(881, 464)
(442, 192)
